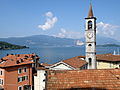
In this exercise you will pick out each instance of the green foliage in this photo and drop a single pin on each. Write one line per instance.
(6, 46)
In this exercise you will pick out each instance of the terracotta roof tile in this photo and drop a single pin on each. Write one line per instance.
(84, 79)
(41, 68)
(100, 57)
(75, 62)
(79, 61)
(45, 64)
(108, 57)
(18, 59)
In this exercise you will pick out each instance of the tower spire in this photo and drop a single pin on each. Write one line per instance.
(90, 14)
(90, 36)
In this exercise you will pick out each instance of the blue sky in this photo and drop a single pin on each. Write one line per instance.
(62, 18)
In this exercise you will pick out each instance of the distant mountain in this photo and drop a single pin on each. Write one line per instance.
(40, 40)
(6, 46)
(109, 45)
(104, 40)
(45, 40)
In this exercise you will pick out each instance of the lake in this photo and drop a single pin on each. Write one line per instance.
(55, 54)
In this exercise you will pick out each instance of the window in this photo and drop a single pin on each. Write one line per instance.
(45, 74)
(89, 44)
(26, 77)
(23, 78)
(0, 72)
(89, 24)
(90, 61)
(25, 69)
(20, 88)
(44, 80)
(19, 79)
(1, 81)
(19, 70)
(27, 87)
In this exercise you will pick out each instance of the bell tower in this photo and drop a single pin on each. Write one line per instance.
(90, 36)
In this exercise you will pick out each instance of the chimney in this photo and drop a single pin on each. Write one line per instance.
(17, 62)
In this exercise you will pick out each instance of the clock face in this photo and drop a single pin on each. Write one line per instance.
(90, 35)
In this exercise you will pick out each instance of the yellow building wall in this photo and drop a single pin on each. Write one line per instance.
(107, 65)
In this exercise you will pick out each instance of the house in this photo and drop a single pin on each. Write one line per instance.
(107, 61)
(40, 78)
(67, 74)
(16, 71)
(74, 63)
(93, 79)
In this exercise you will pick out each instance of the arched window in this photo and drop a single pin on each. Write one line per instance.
(89, 44)
(89, 24)
(90, 61)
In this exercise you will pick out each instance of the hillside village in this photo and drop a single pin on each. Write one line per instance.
(90, 72)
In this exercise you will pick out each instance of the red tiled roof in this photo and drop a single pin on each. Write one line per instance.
(9, 63)
(18, 56)
(41, 68)
(100, 57)
(84, 79)
(45, 64)
(18, 59)
(78, 61)
(108, 57)
(75, 62)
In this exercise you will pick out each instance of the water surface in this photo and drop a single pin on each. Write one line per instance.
(55, 54)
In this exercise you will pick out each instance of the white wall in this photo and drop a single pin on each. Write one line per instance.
(61, 67)
(39, 84)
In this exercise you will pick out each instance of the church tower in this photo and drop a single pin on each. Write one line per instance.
(90, 36)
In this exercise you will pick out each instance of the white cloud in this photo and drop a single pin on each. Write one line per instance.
(68, 34)
(63, 30)
(50, 21)
(103, 29)
(49, 14)
(106, 29)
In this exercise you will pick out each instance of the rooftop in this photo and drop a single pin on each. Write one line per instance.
(79, 61)
(45, 64)
(75, 62)
(108, 57)
(84, 79)
(18, 59)
(100, 57)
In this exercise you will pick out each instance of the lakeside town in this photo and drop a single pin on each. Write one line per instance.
(90, 72)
